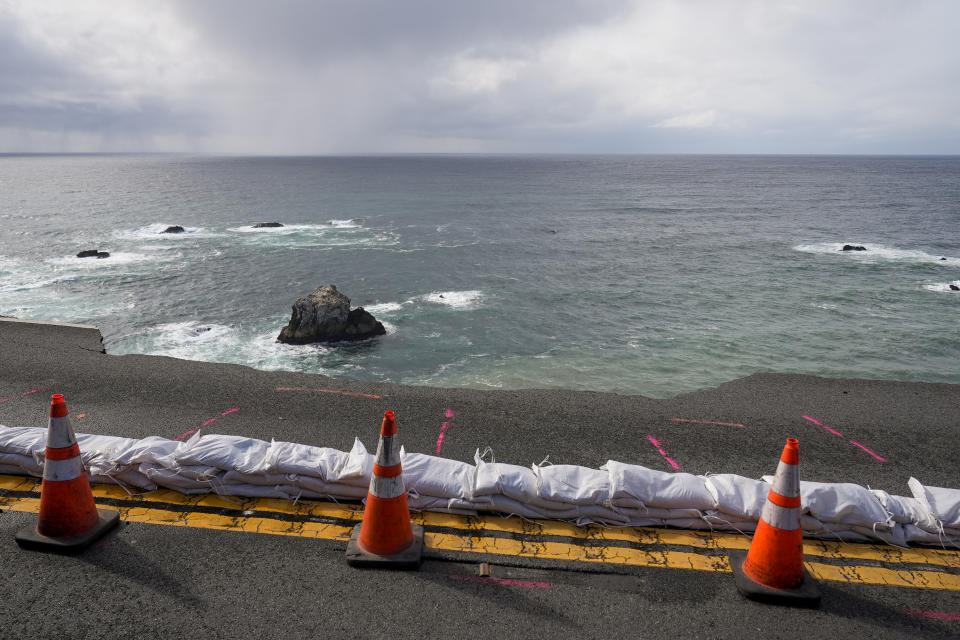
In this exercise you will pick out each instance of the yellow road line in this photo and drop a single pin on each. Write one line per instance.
(161, 507)
(884, 576)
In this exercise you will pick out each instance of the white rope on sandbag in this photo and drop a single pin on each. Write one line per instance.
(616, 494)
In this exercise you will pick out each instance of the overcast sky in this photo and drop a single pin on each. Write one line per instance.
(569, 76)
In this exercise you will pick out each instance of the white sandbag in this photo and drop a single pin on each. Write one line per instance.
(572, 484)
(304, 460)
(153, 450)
(296, 484)
(248, 455)
(99, 452)
(657, 513)
(515, 482)
(109, 447)
(15, 470)
(24, 465)
(262, 479)
(842, 503)
(600, 514)
(943, 503)
(172, 480)
(905, 510)
(357, 466)
(633, 485)
(256, 491)
(128, 478)
(736, 495)
(721, 521)
(200, 472)
(24, 441)
(436, 503)
(336, 490)
(434, 476)
(502, 504)
(893, 536)
(947, 538)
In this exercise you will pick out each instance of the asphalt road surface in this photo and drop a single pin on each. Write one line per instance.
(152, 581)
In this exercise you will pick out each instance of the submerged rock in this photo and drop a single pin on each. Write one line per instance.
(266, 225)
(93, 253)
(174, 229)
(325, 316)
(853, 247)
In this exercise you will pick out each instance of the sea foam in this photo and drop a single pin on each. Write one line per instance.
(877, 252)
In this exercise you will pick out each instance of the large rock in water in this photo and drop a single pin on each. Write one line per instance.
(325, 316)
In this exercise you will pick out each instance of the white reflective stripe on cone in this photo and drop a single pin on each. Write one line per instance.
(387, 487)
(787, 481)
(388, 451)
(60, 433)
(781, 517)
(63, 469)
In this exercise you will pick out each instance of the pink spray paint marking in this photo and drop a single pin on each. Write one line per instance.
(936, 615)
(188, 433)
(210, 421)
(857, 444)
(448, 413)
(723, 424)
(662, 452)
(503, 581)
(820, 424)
(342, 393)
(25, 393)
(837, 433)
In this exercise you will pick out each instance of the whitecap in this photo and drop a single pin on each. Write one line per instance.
(37, 284)
(876, 252)
(385, 307)
(455, 299)
(289, 229)
(389, 327)
(151, 231)
(121, 257)
(190, 340)
(943, 287)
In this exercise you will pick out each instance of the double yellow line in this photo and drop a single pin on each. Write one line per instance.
(494, 535)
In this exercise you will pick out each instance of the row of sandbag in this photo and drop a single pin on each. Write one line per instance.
(615, 494)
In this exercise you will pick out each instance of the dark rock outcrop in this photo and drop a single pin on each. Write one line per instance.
(853, 247)
(325, 316)
(174, 229)
(266, 225)
(954, 287)
(93, 253)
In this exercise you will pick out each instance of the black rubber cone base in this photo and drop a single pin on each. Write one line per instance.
(30, 538)
(806, 594)
(409, 558)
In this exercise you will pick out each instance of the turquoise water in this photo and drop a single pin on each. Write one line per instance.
(633, 274)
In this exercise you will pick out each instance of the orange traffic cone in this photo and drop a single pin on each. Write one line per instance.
(772, 570)
(69, 519)
(386, 537)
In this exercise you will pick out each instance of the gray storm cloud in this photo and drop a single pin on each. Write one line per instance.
(559, 76)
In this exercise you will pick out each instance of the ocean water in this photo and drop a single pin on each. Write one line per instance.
(651, 275)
